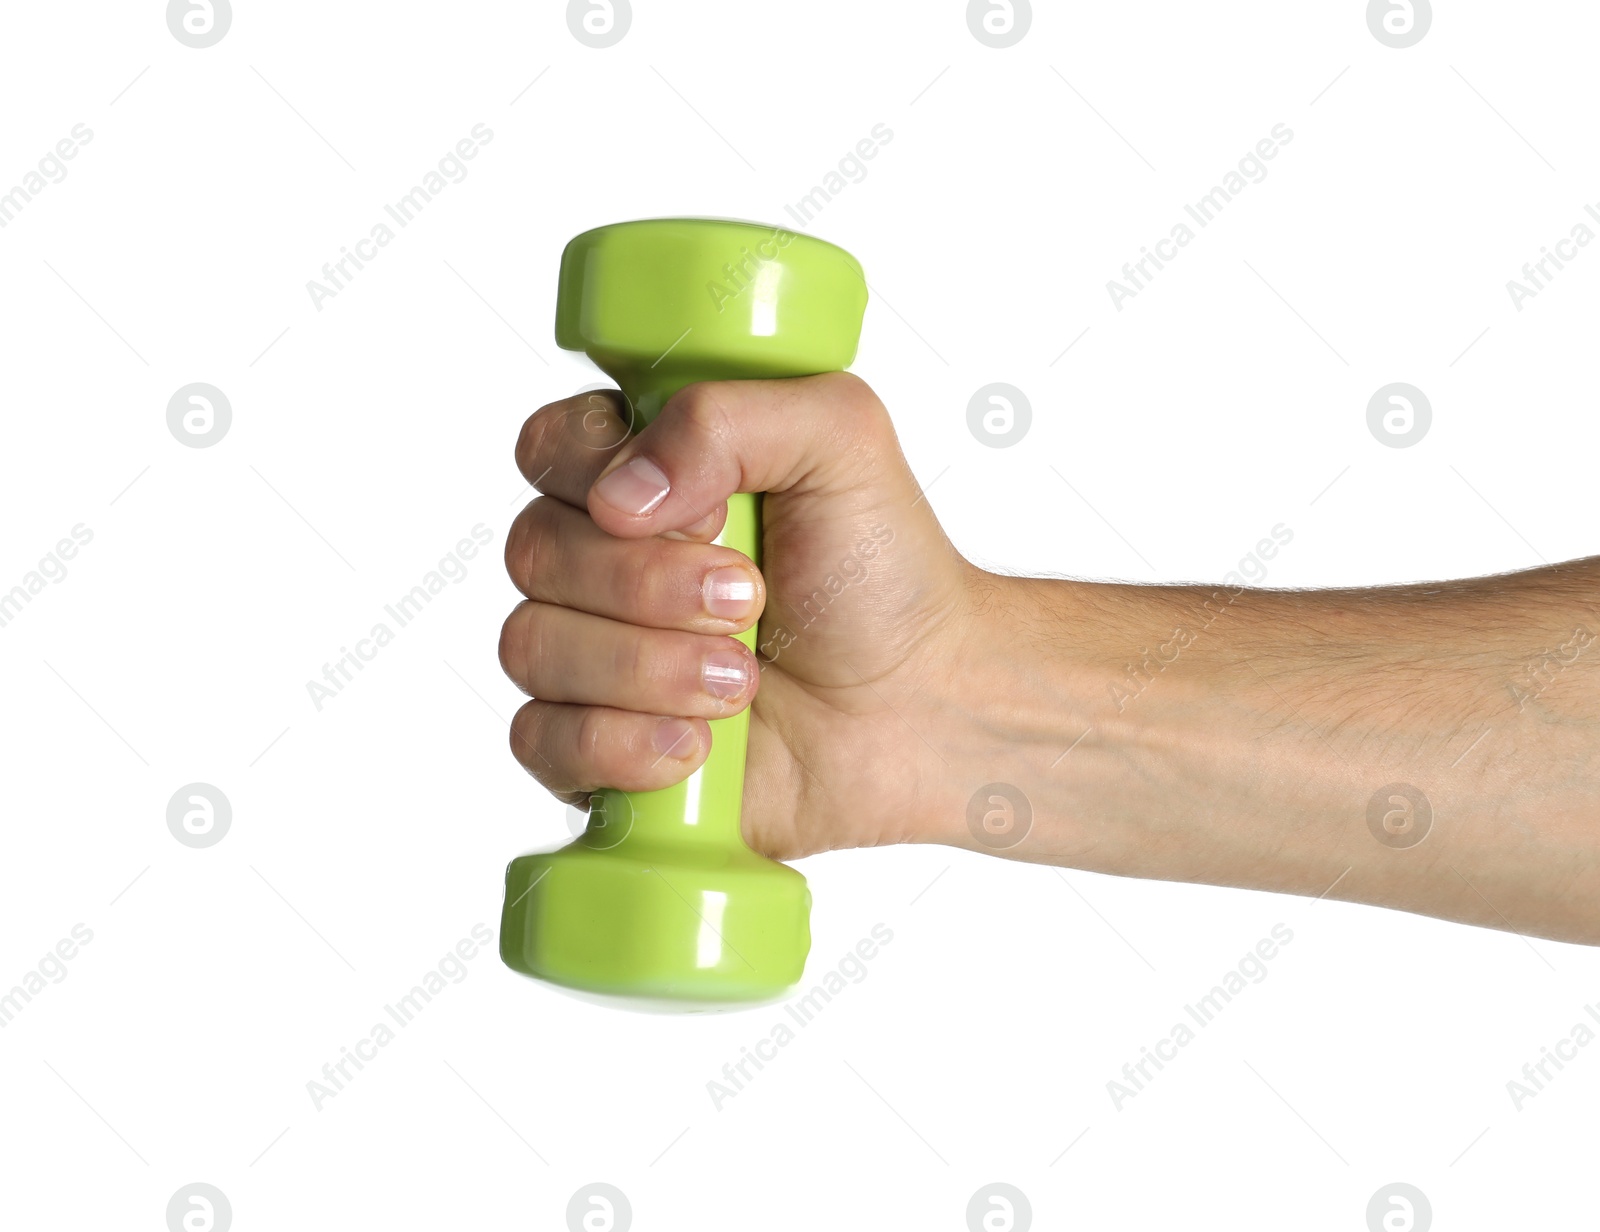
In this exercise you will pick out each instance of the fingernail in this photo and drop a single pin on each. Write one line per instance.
(726, 674)
(729, 592)
(674, 737)
(636, 487)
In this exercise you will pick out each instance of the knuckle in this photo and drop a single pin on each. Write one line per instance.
(529, 546)
(639, 590)
(509, 637)
(522, 644)
(525, 734)
(861, 409)
(600, 420)
(534, 745)
(698, 412)
(849, 385)
(537, 442)
(591, 739)
(641, 665)
(656, 581)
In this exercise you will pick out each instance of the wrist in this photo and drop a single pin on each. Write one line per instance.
(1115, 722)
(1023, 722)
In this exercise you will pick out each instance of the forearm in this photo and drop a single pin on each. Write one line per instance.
(1238, 738)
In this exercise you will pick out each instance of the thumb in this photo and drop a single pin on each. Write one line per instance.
(812, 435)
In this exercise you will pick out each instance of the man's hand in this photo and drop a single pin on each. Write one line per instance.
(624, 638)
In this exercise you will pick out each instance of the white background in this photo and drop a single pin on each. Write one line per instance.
(370, 837)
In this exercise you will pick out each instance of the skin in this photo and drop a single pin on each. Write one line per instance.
(1211, 733)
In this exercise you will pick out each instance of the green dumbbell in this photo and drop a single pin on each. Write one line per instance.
(660, 898)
